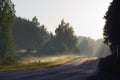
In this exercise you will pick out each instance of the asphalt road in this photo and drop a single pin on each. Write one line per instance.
(79, 69)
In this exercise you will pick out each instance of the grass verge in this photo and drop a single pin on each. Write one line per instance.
(38, 63)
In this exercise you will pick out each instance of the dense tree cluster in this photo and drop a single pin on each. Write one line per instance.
(28, 34)
(64, 40)
(32, 36)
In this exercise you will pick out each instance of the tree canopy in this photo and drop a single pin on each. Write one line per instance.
(7, 15)
(65, 36)
(29, 35)
(64, 40)
(112, 28)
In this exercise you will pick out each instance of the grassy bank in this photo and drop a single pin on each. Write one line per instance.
(38, 63)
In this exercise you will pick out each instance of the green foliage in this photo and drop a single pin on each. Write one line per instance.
(65, 37)
(7, 14)
(64, 41)
(24, 32)
(41, 38)
(32, 36)
(29, 35)
(8, 59)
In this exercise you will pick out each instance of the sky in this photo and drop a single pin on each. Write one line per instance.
(85, 16)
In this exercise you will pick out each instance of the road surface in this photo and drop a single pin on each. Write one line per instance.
(78, 69)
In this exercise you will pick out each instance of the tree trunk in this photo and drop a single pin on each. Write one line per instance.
(119, 53)
(113, 50)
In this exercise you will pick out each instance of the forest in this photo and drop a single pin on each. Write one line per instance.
(21, 38)
(31, 38)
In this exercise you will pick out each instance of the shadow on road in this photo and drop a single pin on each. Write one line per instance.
(108, 69)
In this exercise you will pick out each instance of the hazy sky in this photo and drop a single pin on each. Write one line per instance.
(85, 16)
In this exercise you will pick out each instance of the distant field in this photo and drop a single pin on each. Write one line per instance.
(38, 63)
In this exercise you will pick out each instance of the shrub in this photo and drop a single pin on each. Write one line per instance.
(8, 59)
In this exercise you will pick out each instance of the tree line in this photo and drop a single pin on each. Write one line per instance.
(90, 47)
(32, 36)
(35, 38)
(18, 33)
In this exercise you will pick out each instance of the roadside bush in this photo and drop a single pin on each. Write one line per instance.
(8, 59)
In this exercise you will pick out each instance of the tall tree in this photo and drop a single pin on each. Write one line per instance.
(112, 28)
(35, 21)
(63, 41)
(65, 38)
(7, 15)
(41, 38)
(29, 35)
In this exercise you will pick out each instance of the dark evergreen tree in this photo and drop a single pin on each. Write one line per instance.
(7, 14)
(24, 33)
(112, 28)
(112, 38)
(41, 38)
(29, 35)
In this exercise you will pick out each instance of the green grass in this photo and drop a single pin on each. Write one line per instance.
(38, 63)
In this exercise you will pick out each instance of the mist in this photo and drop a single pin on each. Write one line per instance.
(90, 47)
